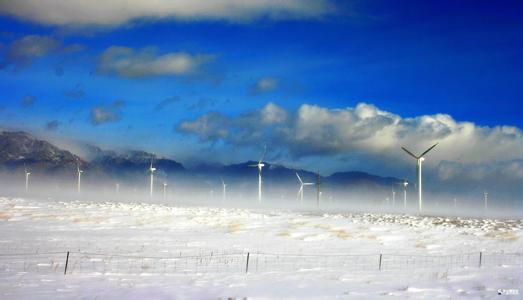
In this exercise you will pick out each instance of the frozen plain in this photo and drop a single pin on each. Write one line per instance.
(109, 240)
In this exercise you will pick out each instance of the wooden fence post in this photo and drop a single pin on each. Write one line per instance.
(480, 258)
(66, 263)
(247, 264)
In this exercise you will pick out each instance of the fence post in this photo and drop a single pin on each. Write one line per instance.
(66, 263)
(480, 258)
(247, 264)
(379, 267)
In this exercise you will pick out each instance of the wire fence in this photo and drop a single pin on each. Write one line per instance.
(85, 262)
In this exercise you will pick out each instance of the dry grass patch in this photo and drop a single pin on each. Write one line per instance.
(285, 233)
(342, 234)
(420, 244)
(233, 227)
(508, 236)
(4, 216)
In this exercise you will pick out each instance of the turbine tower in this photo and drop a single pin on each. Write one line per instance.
(151, 170)
(419, 162)
(27, 173)
(260, 166)
(302, 184)
(393, 198)
(164, 190)
(224, 193)
(318, 190)
(79, 173)
(405, 184)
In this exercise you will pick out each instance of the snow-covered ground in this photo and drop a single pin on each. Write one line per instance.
(136, 250)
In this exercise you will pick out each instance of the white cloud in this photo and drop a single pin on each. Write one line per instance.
(366, 132)
(108, 113)
(23, 50)
(116, 12)
(264, 85)
(127, 62)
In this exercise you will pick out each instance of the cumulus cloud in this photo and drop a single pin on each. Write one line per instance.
(109, 113)
(366, 131)
(52, 125)
(116, 12)
(27, 101)
(264, 85)
(145, 62)
(166, 103)
(22, 51)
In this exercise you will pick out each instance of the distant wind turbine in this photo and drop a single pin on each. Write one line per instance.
(260, 166)
(405, 185)
(117, 185)
(393, 197)
(79, 173)
(419, 162)
(27, 173)
(302, 185)
(151, 170)
(224, 193)
(164, 190)
(485, 196)
(318, 188)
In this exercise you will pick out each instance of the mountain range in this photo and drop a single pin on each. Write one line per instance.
(19, 150)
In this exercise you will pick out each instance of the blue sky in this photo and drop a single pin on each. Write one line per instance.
(203, 80)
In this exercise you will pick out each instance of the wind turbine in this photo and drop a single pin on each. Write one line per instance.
(164, 190)
(419, 162)
(79, 172)
(485, 196)
(302, 184)
(224, 194)
(260, 166)
(318, 190)
(27, 173)
(151, 169)
(393, 198)
(405, 184)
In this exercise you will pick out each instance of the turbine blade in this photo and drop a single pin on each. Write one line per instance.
(428, 150)
(299, 178)
(263, 155)
(409, 153)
